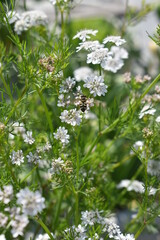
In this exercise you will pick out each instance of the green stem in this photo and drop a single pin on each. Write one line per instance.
(76, 208)
(77, 153)
(29, 174)
(139, 231)
(44, 227)
(77, 183)
(58, 209)
(100, 117)
(45, 109)
(62, 27)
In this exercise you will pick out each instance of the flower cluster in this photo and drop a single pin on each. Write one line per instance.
(147, 110)
(136, 186)
(26, 20)
(6, 194)
(28, 204)
(60, 166)
(109, 59)
(72, 117)
(62, 135)
(92, 220)
(31, 202)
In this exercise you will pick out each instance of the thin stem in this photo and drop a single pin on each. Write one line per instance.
(77, 164)
(45, 109)
(76, 208)
(100, 117)
(77, 183)
(44, 227)
(29, 174)
(125, 19)
(58, 209)
(25, 5)
(139, 231)
(62, 27)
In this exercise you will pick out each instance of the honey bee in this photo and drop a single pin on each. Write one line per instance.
(83, 103)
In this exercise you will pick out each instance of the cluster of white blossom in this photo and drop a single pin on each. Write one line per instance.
(28, 203)
(57, 166)
(154, 168)
(96, 85)
(85, 34)
(67, 85)
(93, 220)
(147, 110)
(33, 158)
(72, 117)
(138, 146)
(17, 157)
(43, 237)
(62, 135)
(135, 185)
(31, 202)
(18, 129)
(26, 20)
(6, 194)
(109, 59)
(82, 73)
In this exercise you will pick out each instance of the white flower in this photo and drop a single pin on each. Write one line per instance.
(72, 117)
(89, 46)
(88, 218)
(114, 62)
(12, 16)
(67, 85)
(138, 145)
(18, 224)
(28, 138)
(6, 194)
(96, 85)
(43, 237)
(85, 34)
(18, 128)
(33, 158)
(114, 39)
(82, 72)
(2, 237)
(119, 52)
(153, 168)
(158, 119)
(98, 56)
(147, 110)
(62, 102)
(57, 166)
(47, 146)
(135, 185)
(80, 229)
(32, 202)
(3, 220)
(62, 135)
(17, 157)
(29, 19)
